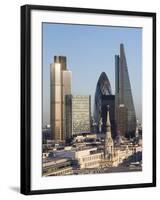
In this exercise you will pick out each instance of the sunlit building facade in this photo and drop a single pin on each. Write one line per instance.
(81, 114)
(123, 95)
(108, 145)
(60, 87)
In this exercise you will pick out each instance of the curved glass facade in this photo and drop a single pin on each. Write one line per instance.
(103, 88)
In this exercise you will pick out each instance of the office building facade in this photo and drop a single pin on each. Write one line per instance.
(81, 114)
(122, 119)
(123, 93)
(60, 81)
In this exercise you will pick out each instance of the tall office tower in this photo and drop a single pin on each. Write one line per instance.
(108, 100)
(109, 145)
(60, 87)
(68, 113)
(81, 114)
(123, 92)
(103, 88)
(122, 120)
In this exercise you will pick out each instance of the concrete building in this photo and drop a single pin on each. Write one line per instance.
(85, 157)
(57, 167)
(89, 158)
(60, 87)
(81, 114)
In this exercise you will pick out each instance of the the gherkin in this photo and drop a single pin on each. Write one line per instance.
(103, 88)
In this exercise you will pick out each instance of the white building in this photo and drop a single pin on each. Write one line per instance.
(86, 157)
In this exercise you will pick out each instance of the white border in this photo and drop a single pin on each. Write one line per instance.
(41, 183)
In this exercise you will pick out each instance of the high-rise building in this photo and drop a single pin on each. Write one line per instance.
(60, 87)
(81, 114)
(123, 93)
(122, 119)
(68, 113)
(103, 88)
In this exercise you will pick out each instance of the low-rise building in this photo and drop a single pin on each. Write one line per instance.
(85, 157)
(57, 167)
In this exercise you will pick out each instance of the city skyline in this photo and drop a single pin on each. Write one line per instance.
(78, 58)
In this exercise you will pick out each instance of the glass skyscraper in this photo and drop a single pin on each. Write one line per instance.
(103, 88)
(123, 97)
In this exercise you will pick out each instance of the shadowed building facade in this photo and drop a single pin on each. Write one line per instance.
(122, 119)
(103, 97)
(60, 81)
(124, 106)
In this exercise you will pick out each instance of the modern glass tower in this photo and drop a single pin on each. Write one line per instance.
(123, 96)
(103, 88)
(60, 81)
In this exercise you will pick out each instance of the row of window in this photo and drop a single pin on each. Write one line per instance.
(89, 164)
(57, 172)
(93, 157)
(67, 171)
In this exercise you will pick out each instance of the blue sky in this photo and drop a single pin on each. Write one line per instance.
(90, 50)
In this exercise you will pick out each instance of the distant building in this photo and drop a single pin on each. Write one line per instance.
(81, 114)
(103, 88)
(46, 134)
(137, 130)
(60, 87)
(123, 92)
